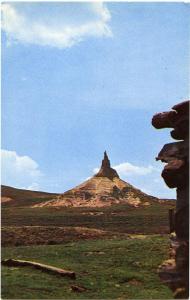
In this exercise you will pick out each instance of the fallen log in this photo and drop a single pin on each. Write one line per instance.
(45, 268)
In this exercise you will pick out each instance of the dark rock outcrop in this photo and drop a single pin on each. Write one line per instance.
(174, 272)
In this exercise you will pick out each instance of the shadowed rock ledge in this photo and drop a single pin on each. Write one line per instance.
(175, 271)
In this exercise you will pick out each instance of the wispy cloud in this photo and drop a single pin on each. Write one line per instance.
(34, 187)
(95, 170)
(19, 171)
(58, 25)
(127, 168)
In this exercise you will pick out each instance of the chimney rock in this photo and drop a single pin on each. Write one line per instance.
(106, 170)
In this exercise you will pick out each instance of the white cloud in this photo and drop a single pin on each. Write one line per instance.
(146, 191)
(58, 25)
(127, 168)
(34, 186)
(156, 180)
(19, 171)
(95, 170)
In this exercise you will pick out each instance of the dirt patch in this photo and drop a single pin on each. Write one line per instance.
(94, 253)
(48, 235)
(138, 236)
(6, 199)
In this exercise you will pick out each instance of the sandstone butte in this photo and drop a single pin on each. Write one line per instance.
(103, 189)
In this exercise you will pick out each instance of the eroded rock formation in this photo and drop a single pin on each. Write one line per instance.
(103, 189)
(106, 170)
(174, 272)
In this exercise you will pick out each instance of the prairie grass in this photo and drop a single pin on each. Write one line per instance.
(107, 269)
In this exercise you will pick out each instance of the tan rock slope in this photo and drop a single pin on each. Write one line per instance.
(103, 189)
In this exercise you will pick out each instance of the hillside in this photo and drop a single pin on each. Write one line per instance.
(19, 197)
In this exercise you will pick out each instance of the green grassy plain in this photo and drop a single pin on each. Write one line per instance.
(107, 269)
(115, 251)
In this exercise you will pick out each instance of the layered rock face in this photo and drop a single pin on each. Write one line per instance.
(176, 175)
(103, 189)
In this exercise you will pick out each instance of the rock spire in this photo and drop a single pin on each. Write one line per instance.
(105, 161)
(106, 170)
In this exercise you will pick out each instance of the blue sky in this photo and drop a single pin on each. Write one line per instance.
(81, 78)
